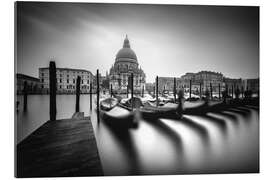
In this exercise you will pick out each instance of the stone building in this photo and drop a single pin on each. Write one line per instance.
(66, 79)
(126, 62)
(208, 77)
(33, 84)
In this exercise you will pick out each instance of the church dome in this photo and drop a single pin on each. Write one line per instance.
(126, 53)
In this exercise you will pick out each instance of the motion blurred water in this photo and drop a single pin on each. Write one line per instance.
(225, 142)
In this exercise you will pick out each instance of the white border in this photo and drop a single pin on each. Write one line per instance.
(7, 88)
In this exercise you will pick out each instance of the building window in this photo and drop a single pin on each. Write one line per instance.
(42, 74)
(73, 81)
(42, 80)
(67, 76)
(87, 81)
(82, 81)
(60, 87)
(60, 80)
(67, 80)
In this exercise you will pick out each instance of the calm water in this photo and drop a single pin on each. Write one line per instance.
(224, 142)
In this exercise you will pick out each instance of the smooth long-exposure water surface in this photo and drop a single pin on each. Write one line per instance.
(225, 142)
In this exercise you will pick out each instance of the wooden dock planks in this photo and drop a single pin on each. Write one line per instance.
(59, 149)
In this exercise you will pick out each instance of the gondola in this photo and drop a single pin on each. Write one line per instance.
(116, 116)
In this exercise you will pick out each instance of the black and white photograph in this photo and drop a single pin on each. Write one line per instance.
(119, 89)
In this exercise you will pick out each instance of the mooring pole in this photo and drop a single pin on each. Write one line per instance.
(111, 90)
(200, 90)
(132, 90)
(211, 91)
(25, 93)
(174, 89)
(78, 89)
(52, 83)
(97, 78)
(143, 91)
(157, 90)
(232, 91)
(90, 96)
(219, 91)
(190, 89)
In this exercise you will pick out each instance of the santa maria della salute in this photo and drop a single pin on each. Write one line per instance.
(126, 62)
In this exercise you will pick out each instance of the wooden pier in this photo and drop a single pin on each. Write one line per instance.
(60, 148)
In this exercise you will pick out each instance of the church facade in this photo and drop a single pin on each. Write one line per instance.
(126, 62)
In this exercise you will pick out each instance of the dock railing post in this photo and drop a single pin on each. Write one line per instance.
(52, 84)
(157, 91)
(78, 89)
(25, 93)
(174, 89)
(97, 95)
(90, 96)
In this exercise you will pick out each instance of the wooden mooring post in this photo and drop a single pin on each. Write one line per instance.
(143, 91)
(90, 96)
(111, 90)
(132, 90)
(190, 89)
(52, 84)
(25, 93)
(157, 90)
(200, 90)
(219, 91)
(97, 78)
(211, 91)
(78, 89)
(174, 89)
(232, 91)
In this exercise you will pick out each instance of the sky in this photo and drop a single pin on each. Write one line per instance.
(169, 40)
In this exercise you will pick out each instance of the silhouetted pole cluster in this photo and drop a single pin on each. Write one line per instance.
(25, 93)
(91, 96)
(97, 78)
(78, 85)
(174, 89)
(154, 91)
(157, 90)
(190, 89)
(52, 83)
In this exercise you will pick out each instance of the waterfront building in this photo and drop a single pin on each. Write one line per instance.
(251, 84)
(126, 62)
(209, 77)
(167, 84)
(66, 79)
(33, 84)
(232, 83)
